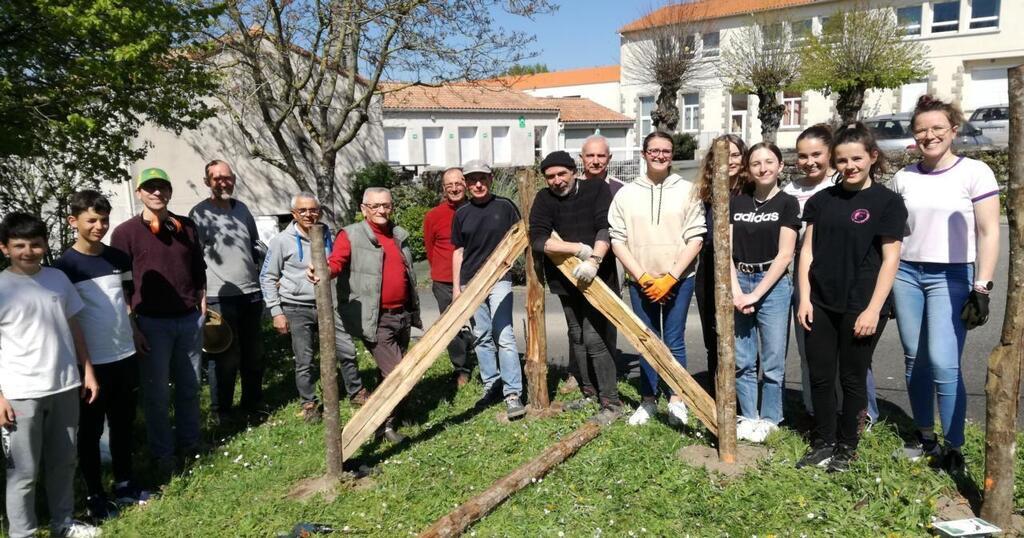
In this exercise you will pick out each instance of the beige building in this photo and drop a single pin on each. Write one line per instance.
(970, 45)
(599, 84)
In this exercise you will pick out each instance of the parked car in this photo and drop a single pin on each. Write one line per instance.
(994, 122)
(893, 133)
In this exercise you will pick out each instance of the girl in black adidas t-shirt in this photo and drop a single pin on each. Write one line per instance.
(848, 262)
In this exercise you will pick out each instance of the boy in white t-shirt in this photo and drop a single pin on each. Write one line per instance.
(41, 351)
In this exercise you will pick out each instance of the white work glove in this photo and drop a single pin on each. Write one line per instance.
(584, 252)
(585, 271)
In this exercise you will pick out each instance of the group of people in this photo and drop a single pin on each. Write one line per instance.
(80, 339)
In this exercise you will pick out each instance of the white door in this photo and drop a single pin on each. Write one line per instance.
(433, 146)
(987, 87)
(540, 141)
(394, 145)
(469, 146)
(909, 94)
(501, 146)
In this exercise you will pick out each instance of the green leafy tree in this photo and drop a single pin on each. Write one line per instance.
(762, 59)
(859, 50)
(526, 69)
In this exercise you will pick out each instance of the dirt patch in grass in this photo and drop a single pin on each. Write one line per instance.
(706, 457)
(327, 487)
(952, 508)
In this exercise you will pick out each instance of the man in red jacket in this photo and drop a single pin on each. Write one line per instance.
(437, 236)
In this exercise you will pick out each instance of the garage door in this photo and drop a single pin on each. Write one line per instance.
(987, 87)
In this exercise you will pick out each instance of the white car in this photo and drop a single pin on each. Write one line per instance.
(892, 131)
(994, 121)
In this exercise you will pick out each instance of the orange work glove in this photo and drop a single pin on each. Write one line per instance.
(645, 281)
(658, 291)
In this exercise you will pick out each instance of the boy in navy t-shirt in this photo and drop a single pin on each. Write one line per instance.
(103, 277)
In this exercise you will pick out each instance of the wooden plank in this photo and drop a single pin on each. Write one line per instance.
(536, 333)
(328, 353)
(725, 376)
(422, 355)
(645, 341)
(456, 522)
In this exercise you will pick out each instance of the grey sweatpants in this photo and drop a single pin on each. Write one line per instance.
(44, 434)
(305, 327)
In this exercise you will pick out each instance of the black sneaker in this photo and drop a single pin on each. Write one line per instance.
(99, 508)
(129, 495)
(515, 408)
(581, 403)
(607, 415)
(953, 461)
(841, 458)
(492, 395)
(818, 455)
(921, 449)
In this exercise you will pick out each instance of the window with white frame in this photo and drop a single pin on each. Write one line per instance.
(984, 14)
(469, 145)
(793, 112)
(945, 17)
(710, 43)
(738, 114)
(801, 30)
(501, 146)
(646, 107)
(909, 19)
(433, 146)
(690, 113)
(395, 147)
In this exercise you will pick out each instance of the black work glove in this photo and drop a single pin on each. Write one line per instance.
(975, 312)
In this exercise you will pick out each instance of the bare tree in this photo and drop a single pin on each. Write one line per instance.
(301, 77)
(763, 59)
(857, 50)
(665, 49)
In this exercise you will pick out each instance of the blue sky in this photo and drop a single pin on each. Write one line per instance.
(582, 33)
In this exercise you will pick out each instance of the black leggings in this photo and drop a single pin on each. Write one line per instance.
(704, 291)
(119, 383)
(832, 346)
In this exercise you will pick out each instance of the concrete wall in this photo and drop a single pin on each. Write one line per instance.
(963, 66)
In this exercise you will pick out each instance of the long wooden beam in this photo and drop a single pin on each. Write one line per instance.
(645, 341)
(422, 355)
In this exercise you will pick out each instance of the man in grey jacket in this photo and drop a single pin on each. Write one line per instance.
(292, 303)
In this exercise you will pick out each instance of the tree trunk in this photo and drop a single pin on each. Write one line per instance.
(770, 112)
(1002, 389)
(328, 358)
(849, 103)
(665, 116)
(462, 517)
(536, 335)
(725, 376)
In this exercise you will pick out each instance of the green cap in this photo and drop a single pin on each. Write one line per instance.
(150, 174)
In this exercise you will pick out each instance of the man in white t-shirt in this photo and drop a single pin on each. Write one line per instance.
(41, 350)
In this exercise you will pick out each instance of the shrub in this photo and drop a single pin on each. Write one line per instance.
(412, 200)
(684, 146)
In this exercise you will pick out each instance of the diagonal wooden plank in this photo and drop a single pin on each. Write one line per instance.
(435, 340)
(645, 341)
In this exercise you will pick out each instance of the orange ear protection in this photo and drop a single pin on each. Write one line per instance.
(172, 224)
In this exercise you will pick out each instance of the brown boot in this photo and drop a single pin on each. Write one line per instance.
(461, 380)
(359, 399)
(311, 413)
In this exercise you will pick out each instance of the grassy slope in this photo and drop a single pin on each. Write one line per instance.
(626, 482)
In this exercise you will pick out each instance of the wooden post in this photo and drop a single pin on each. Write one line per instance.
(435, 340)
(725, 376)
(328, 357)
(1004, 364)
(462, 517)
(645, 341)
(536, 335)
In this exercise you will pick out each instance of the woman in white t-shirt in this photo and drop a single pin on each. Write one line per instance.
(813, 158)
(946, 267)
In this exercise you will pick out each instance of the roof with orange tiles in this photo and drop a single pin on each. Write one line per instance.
(460, 96)
(568, 77)
(583, 110)
(702, 10)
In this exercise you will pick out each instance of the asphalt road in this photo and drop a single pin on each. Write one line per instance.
(888, 359)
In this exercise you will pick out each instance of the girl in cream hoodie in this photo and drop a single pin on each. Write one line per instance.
(657, 228)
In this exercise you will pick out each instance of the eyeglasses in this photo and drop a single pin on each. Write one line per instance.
(378, 207)
(307, 210)
(659, 152)
(937, 131)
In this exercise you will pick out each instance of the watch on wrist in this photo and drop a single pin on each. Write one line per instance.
(597, 258)
(983, 286)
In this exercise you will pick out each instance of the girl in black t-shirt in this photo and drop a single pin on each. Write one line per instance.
(763, 222)
(848, 263)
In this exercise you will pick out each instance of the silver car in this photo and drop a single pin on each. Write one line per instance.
(994, 121)
(893, 133)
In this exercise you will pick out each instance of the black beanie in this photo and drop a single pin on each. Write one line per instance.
(558, 158)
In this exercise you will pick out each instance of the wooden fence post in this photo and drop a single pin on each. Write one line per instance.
(328, 357)
(1002, 389)
(725, 376)
(536, 334)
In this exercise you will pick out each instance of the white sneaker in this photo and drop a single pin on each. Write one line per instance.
(761, 429)
(677, 414)
(745, 428)
(642, 414)
(77, 529)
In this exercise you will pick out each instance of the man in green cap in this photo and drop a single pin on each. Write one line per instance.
(169, 305)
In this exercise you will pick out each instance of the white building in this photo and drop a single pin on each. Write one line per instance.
(970, 45)
(599, 84)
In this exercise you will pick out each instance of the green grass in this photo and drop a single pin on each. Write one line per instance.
(627, 482)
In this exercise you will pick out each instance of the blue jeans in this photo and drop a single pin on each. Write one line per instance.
(929, 297)
(495, 343)
(764, 333)
(175, 350)
(668, 321)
